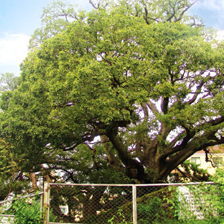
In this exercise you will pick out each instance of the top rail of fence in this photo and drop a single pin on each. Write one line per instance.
(130, 185)
(19, 197)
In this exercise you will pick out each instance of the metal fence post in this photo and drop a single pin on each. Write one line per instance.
(41, 205)
(134, 201)
(46, 206)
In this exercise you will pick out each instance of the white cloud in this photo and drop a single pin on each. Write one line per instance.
(13, 49)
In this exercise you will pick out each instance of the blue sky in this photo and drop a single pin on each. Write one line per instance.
(19, 19)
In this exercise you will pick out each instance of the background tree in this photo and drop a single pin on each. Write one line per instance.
(150, 94)
(8, 81)
(11, 178)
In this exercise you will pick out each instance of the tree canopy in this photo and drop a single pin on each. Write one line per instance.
(139, 90)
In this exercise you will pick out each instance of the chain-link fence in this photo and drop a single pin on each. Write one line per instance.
(142, 204)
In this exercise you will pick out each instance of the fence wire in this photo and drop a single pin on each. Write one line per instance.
(158, 203)
(89, 203)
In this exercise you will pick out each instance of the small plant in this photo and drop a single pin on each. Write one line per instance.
(154, 210)
(27, 211)
(120, 215)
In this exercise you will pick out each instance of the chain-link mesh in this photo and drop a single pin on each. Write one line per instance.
(198, 202)
(100, 204)
(91, 204)
(173, 203)
(152, 204)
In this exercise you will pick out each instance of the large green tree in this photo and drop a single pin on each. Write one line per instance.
(139, 81)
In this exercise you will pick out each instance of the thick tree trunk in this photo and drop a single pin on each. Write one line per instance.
(113, 161)
(33, 180)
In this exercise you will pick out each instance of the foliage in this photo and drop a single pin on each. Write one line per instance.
(122, 91)
(57, 16)
(218, 178)
(188, 172)
(154, 208)
(209, 199)
(120, 215)
(12, 177)
(27, 211)
(8, 81)
(54, 19)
